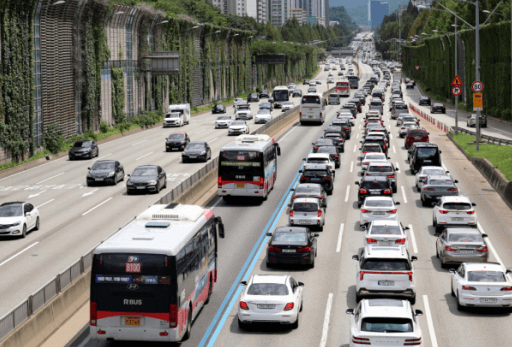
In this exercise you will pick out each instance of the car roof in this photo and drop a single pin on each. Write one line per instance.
(265, 278)
(463, 231)
(197, 142)
(376, 198)
(315, 200)
(427, 144)
(380, 163)
(389, 252)
(424, 97)
(371, 144)
(105, 161)
(290, 229)
(151, 166)
(13, 203)
(482, 266)
(393, 308)
(385, 222)
(318, 155)
(438, 104)
(459, 198)
(309, 186)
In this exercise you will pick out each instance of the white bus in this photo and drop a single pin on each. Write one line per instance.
(280, 95)
(150, 279)
(248, 166)
(312, 108)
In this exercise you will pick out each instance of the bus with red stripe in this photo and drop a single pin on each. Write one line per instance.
(248, 167)
(151, 278)
(343, 87)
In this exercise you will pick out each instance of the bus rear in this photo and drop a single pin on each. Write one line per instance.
(312, 109)
(343, 87)
(354, 82)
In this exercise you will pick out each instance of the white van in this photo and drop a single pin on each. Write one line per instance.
(312, 108)
(334, 98)
(178, 115)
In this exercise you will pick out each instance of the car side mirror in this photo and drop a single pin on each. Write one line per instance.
(452, 271)
(456, 181)
(244, 283)
(350, 311)
(473, 204)
(128, 175)
(355, 257)
(357, 183)
(301, 284)
(440, 152)
(292, 189)
(269, 234)
(88, 168)
(397, 203)
(388, 158)
(508, 271)
(406, 228)
(278, 151)
(28, 214)
(397, 169)
(484, 235)
(300, 171)
(316, 235)
(414, 258)
(312, 143)
(304, 159)
(418, 313)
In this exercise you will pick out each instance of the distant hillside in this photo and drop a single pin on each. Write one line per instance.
(359, 14)
(340, 14)
(358, 10)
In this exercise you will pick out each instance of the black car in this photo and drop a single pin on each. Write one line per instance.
(424, 100)
(196, 151)
(438, 107)
(410, 150)
(253, 97)
(333, 152)
(146, 178)
(305, 83)
(409, 85)
(318, 173)
(322, 142)
(373, 186)
(105, 171)
(361, 97)
(84, 149)
(297, 92)
(309, 190)
(351, 107)
(219, 108)
(378, 140)
(176, 141)
(426, 155)
(292, 245)
(267, 105)
(358, 103)
(264, 94)
(339, 140)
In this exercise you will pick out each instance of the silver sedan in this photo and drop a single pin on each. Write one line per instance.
(405, 128)
(307, 212)
(436, 186)
(458, 245)
(421, 176)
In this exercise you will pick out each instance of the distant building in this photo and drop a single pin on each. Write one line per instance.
(313, 8)
(376, 11)
(258, 9)
(320, 21)
(298, 13)
(237, 7)
(221, 4)
(278, 12)
(333, 23)
(311, 20)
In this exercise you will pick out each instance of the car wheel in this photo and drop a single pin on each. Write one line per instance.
(241, 325)
(122, 177)
(37, 224)
(114, 181)
(395, 189)
(296, 324)
(437, 253)
(358, 297)
(459, 306)
(301, 305)
(24, 231)
(97, 152)
(418, 189)
(89, 184)
(165, 184)
(424, 202)
(453, 293)
(128, 192)
(413, 300)
(184, 160)
(312, 265)
(157, 188)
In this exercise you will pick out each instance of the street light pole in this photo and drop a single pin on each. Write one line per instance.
(399, 31)
(477, 17)
(456, 74)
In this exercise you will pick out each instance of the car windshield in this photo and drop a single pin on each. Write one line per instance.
(375, 185)
(386, 230)
(315, 173)
(172, 115)
(457, 206)
(11, 211)
(260, 112)
(400, 107)
(224, 118)
(375, 168)
(238, 123)
(486, 276)
(144, 171)
(378, 203)
(289, 103)
(195, 146)
(376, 264)
(103, 166)
(267, 289)
(82, 144)
(426, 152)
(176, 137)
(387, 325)
(417, 133)
(305, 207)
(469, 237)
(290, 237)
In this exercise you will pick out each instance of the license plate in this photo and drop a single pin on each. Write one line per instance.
(99, 179)
(316, 179)
(457, 218)
(489, 300)
(465, 252)
(385, 243)
(174, 149)
(386, 283)
(310, 116)
(374, 193)
(240, 185)
(131, 320)
(192, 156)
(427, 161)
(378, 213)
(141, 187)
(289, 251)
(266, 307)
(304, 222)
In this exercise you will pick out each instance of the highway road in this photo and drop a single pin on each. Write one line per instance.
(75, 218)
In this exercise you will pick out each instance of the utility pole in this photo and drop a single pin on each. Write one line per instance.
(456, 74)
(477, 17)
(399, 31)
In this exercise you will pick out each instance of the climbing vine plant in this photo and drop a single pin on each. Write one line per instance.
(118, 91)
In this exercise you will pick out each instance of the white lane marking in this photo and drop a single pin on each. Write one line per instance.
(86, 341)
(200, 131)
(398, 167)
(19, 173)
(348, 192)
(340, 236)
(213, 140)
(23, 250)
(90, 193)
(325, 329)
(355, 147)
(95, 207)
(489, 244)
(136, 143)
(390, 136)
(394, 150)
(430, 323)
(357, 136)
(281, 139)
(351, 166)
(215, 205)
(413, 239)
(62, 173)
(444, 167)
(106, 155)
(45, 203)
(145, 155)
(34, 195)
(403, 194)
(359, 126)
(389, 126)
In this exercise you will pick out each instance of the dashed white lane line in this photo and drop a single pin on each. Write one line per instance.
(348, 192)
(212, 140)
(136, 143)
(390, 136)
(444, 167)
(394, 150)
(14, 256)
(359, 126)
(95, 207)
(430, 322)
(340, 237)
(282, 138)
(145, 155)
(45, 203)
(351, 166)
(62, 173)
(357, 137)
(413, 239)
(325, 329)
(106, 155)
(403, 194)
(216, 203)
(398, 167)
(355, 147)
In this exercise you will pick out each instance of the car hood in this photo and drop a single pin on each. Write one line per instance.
(142, 179)
(10, 220)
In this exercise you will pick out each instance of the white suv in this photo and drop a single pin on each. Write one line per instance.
(386, 233)
(388, 322)
(453, 211)
(385, 271)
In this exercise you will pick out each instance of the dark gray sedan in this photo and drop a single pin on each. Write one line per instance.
(105, 171)
(458, 245)
(436, 186)
(309, 190)
(196, 151)
(146, 178)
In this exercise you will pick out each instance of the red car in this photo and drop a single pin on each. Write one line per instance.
(416, 135)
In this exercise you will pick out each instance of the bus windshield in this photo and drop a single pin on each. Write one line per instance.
(281, 95)
(241, 165)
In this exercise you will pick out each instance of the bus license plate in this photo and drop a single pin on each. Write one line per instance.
(240, 185)
(131, 320)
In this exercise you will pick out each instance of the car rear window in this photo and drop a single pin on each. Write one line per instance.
(440, 182)
(327, 149)
(376, 264)
(305, 206)
(378, 203)
(375, 185)
(318, 160)
(324, 142)
(458, 237)
(400, 107)
(290, 237)
(267, 289)
(375, 157)
(486, 276)
(385, 229)
(394, 325)
(457, 206)
(426, 152)
(310, 99)
(417, 133)
(376, 103)
(315, 173)
(307, 190)
(375, 168)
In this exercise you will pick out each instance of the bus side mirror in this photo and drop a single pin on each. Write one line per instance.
(278, 150)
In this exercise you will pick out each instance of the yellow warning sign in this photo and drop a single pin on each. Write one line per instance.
(478, 100)
(456, 81)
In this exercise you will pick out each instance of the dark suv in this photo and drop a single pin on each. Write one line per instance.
(253, 97)
(339, 140)
(424, 100)
(322, 142)
(264, 94)
(318, 173)
(426, 155)
(176, 141)
(373, 186)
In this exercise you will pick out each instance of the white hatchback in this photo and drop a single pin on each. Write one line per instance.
(308, 212)
(320, 158)
(386, 233)
(370, 158)
(453, 211)
(270, 299)
(378, 208)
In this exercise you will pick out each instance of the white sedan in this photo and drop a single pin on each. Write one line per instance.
(421, 176)
(18, 218)
(370, 158)
(378, 208)
(320, 158)
(287, 105)
(238, 127)
(244, 113)
(386, 233)
(270, 298)
(405, 128)
(454, 211)
(223, 122)
(481, 285)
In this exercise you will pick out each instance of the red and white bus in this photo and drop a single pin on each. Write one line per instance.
(343, 87)
(150, 279)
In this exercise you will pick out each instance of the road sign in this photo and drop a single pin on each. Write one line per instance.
(477, 87)
(457, 81)
(417, 67)
(478, 102)
(456, 90)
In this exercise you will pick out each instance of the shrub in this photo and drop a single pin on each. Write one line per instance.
(54, 138)
(104, 127)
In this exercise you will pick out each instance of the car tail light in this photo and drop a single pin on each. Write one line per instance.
(291, 212)
(320, 114)
(410, 275)
(302, 178)
(361, 341)
(300, 114)
(173, 316)
(483, 249)
(391, 176)
(429, 189)
(365, 152)
(220, 182)
(384, 146)
(304, 249)
(468, 288)
(370, 240)
(470, 212)
(400, 241)
(450, 249)
(336, 156)
(391, 211)
(387, 191)
(412, 342)
(289, 306)
(444, 212)
(294, 196)
(363, 191)
(327, 178)
(320, 197)
(316, 147)
(505, 289)
(346, 128)
(452, 190)
(365, 211)
(274, 249)
(94, 313)
(319, 213)
(365, 163)
(243, 305)
(403, 127)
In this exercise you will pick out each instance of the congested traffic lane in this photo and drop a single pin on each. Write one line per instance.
(75, 218)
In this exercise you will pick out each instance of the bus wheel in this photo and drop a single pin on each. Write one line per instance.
(209, 291)
(186, 336)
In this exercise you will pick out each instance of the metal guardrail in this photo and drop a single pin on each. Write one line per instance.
(489, 139)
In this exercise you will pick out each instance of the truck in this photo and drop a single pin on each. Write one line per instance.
(397, 76)
(178, 115)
